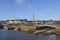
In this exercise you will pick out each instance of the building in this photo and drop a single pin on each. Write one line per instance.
(16, 21)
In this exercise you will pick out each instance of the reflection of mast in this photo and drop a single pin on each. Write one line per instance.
(33, 17)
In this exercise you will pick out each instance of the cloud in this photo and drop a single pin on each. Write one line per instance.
(24, 4)
(20, 1)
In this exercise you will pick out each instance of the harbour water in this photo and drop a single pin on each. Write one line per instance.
(19, 35)
(57, 37)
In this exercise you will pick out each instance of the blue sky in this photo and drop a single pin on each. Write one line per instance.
(43, 9)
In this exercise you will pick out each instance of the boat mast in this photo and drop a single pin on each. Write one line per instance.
(33, 17)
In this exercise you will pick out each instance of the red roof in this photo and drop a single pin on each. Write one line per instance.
(36, 22)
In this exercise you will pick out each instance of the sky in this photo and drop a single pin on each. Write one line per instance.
(24, 9)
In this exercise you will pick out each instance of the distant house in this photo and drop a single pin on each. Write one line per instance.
(47, 21)
(41, 22)
(16, 21)
(35, 22)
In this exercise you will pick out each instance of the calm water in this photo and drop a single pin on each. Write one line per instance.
(18, 35)
(58, 37)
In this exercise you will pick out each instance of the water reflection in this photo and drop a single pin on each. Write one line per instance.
(18, 35)
(57, 37)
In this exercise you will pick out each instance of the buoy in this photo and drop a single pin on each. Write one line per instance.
(5, 28)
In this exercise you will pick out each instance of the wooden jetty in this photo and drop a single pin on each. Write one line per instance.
(44, 32)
